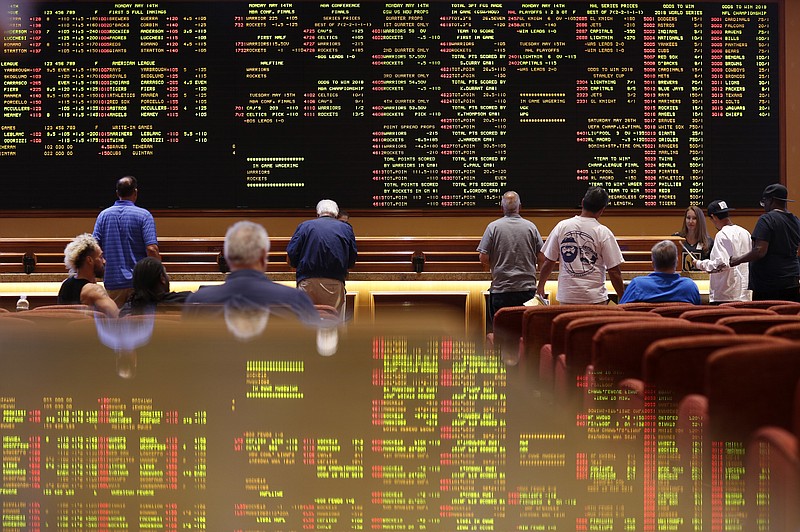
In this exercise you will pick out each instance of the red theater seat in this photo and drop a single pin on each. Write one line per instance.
(767, 303)
(756, 324)
(712, 314)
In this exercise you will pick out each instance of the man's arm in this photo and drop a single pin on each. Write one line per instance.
(97, 232)
(718, 259)
(153, 251)
(484, 258)
(615, 275)
(352, 249)
(293, 248)
(149, 236)
(760, 248)
(96, 296)
(544, 274)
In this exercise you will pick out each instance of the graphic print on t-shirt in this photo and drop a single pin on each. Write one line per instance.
(578, 253)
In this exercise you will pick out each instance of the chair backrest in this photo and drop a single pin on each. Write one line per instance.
(578, 335)
(618, 348)
(767, 303)
(755, 324)
(789, 331)
(712, 314)
(508, 320)
(537, 324)
(10, 322)
(561, 322)
(772, 476)
(677, 365)
(750, 386)
(790, 309)
(641, 306)
(60, 307)
(675, 311)
(507, 330)
(54, 314)
(796, 411)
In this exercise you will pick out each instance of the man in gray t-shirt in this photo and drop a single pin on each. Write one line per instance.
(509, 249)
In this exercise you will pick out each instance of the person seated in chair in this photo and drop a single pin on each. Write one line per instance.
(151, 289)
(663, 285)
(246, 251)
(84, 259)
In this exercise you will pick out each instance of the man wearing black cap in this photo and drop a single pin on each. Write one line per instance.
(726, 283)
(774, 268)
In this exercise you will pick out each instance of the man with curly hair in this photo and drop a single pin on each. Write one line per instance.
(84, 259)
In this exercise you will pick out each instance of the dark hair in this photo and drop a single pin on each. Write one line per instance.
(149, 285)
(126, 186)
(85, 253)
(595, 199)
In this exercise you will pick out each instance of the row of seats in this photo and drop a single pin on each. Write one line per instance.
(727, 375)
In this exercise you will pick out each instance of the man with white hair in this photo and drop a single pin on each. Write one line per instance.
(246, 251)
(663, 284)
(323, 250)
(84, 259)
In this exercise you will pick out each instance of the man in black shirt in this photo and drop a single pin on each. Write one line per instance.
(85, 261)
(774, 265)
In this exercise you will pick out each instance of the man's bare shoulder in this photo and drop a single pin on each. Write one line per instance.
(94, 295)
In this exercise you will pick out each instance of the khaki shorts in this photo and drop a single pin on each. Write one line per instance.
(120, 296)
(325, 291)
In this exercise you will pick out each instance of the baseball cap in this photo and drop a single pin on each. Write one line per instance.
(718, 206)
(776, 191)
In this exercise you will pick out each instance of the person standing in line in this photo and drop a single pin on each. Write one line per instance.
(774, 266)
(586, 249)
(726, 283)
(509, 249)
(84, 259)
(127, 233)
(663, 284)
(323, 250)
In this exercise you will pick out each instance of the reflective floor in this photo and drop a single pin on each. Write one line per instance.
(257, 423)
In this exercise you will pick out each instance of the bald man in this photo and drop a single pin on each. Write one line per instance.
(509, 249)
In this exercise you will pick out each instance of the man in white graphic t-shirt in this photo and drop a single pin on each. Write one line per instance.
(586, 249)
(726, 283)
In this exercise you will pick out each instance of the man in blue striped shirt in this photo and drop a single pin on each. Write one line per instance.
(126, 233)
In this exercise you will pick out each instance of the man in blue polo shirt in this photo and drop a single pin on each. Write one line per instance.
(126, 233)
(323, 250)
(663, 284)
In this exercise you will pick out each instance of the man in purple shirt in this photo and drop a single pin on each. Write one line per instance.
(126, 233)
